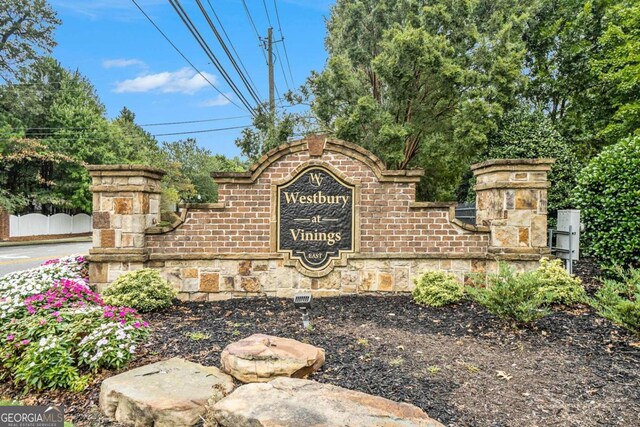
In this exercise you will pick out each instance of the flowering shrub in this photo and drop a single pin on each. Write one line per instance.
(15, 287)
(63, 293)
(55, 328)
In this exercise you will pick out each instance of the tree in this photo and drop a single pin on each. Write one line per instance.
(60, 109)
(617, 67)
(26, 30)
(196, 165)
(420, 86)
(141, 146)
(582, 59)
(527, 133)
(269, 131)
(23, 163)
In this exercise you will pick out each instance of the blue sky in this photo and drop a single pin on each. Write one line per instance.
(131, 64)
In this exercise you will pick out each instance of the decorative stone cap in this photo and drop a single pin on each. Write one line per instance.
(508, 165)
(316, 145)
(125, 170)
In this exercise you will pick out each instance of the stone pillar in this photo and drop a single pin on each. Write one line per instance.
(512, 201)
(126, 201)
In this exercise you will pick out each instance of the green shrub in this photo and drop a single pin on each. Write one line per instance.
(619, 301)
(437, 288)
(144, 290)
(526, 133)
(511, 295)
(556, 285)
(608, 195)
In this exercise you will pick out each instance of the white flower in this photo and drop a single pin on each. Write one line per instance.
(132, 349)
(119, 355)
(85, 354)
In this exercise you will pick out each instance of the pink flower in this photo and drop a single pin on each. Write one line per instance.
(136, 325)
(25, 342)
(10, 337)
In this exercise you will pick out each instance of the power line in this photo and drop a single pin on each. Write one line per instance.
(97, 138)
(233, 48)
(244, 79)
(266, 10)
(195, 121)
(284, 45)
(205, 47)
(28, 129)
(255, 29)
(203, 131)
(184, 57)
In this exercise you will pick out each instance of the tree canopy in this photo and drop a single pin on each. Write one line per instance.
(420, 84)
(26, 32)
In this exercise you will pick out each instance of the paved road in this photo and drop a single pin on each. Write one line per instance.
(14, 258)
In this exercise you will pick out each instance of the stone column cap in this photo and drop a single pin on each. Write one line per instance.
(507, 165)
(125, 170)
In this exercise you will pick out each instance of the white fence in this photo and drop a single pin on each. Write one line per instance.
(41, 225)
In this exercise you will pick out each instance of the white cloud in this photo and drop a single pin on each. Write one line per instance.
(184, 80)
(218, 101)
(117, 10)
(121, 62)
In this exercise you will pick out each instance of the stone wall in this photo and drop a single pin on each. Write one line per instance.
(226, 249)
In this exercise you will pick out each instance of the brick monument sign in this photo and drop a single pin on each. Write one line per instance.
(319, 215)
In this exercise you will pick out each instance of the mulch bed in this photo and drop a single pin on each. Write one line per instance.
(462, 365)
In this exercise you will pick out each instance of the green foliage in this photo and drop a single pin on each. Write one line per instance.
(144, 290)
(525, 297)
(619, 301)
(511, 295)
(527, 133)
(556, 285)
(23, 164)
(190, 169)
(437, 288)
(420, 86)
(617, 67)
(26, 30)
(562, 40)
(48, 366)
(270, 130)
(608, 195)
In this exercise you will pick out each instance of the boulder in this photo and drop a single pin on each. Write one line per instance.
(171, 393)
(260, 358)
(289, 402)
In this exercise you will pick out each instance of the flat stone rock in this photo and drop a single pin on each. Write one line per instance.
(289, 402)
(260, 358)
(171, 393)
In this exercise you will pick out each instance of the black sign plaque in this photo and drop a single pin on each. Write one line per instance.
(315, 217)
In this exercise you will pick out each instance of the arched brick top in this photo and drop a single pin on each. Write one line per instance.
(315, 145)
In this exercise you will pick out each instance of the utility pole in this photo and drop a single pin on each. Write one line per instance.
(272, 102)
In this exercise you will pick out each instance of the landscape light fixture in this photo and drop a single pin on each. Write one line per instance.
(303, 302)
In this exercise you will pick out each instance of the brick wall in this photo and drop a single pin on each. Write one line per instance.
(226, 249)
(390, 220)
